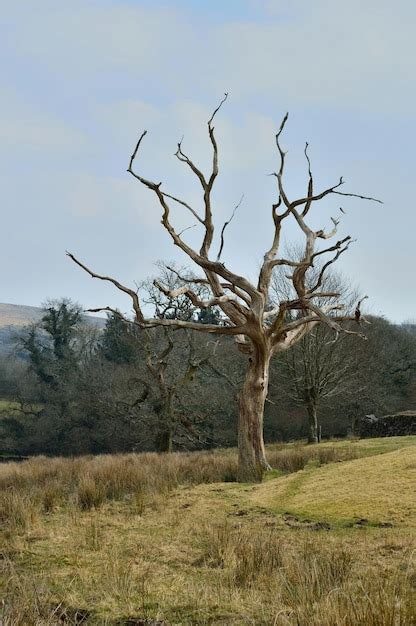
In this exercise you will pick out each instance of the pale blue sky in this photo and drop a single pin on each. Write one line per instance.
(81, 80)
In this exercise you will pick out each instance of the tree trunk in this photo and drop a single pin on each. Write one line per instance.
(313, 428)
(163, 439)
(252, 462)
(165, 425)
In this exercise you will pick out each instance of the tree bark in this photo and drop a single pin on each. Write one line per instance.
(252, 461)
(165, 425)
(163, 439)
(313, 428)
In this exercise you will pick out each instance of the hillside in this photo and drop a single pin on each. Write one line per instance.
(13, 317)
(147, 539)
(18, 315)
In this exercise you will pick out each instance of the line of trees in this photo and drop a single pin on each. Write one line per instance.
(84, 390)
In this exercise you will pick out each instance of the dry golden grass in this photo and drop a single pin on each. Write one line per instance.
(99, 540)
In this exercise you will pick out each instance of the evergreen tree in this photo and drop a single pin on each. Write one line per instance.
(211, 315)
(51, 344)
(119, 341)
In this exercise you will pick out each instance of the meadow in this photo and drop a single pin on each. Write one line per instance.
(327, 539)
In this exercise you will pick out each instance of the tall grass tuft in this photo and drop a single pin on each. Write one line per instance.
(90, 494)
(297, 457)
(17, 510)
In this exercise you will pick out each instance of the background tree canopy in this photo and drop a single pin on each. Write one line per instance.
(71, 388)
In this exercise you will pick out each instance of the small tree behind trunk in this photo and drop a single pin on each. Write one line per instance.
(318, 369)
(314, 429)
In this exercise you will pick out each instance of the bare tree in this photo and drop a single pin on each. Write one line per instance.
(259, 333)
(318, 369)
(172, 361)
(163, 363)
(170, 378)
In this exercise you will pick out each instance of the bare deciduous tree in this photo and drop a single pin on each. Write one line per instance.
(317, 368)
(161, 363)
(259, 333)
(172, 370)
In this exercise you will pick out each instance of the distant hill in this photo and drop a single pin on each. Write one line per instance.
(13, 317)
(18, 315)
(410, 327)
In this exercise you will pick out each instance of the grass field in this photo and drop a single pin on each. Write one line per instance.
(327, 539)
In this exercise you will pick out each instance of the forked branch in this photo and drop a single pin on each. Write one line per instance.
(141, 321)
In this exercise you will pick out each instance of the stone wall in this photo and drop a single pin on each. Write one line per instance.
(403, 423)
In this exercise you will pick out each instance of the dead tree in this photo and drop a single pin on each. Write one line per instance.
(259, 333)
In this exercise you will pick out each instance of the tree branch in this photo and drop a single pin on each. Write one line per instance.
(151, 323)
(130, 292)
(175, 324)
(196, 301)
(226, 224)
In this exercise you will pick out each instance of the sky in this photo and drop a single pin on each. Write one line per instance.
(81, 80)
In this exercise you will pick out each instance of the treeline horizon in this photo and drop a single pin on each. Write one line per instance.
(75, 389)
